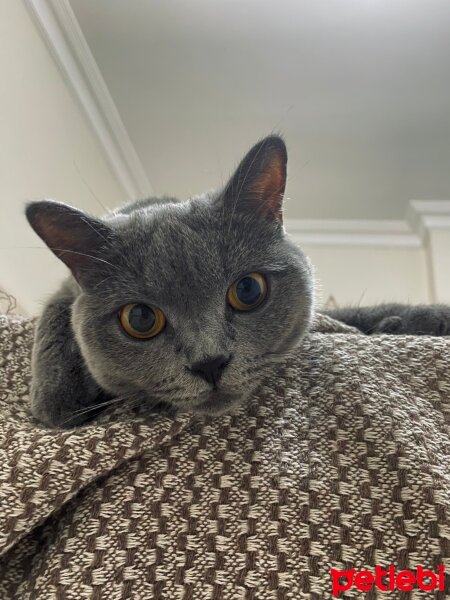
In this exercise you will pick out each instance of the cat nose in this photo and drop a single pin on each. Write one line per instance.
(211, 369)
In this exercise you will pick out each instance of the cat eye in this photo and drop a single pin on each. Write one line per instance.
(142, 321)
(248, 292)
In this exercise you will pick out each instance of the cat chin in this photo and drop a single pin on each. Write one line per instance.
(217, 403)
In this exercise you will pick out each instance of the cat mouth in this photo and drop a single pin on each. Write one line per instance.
(216, 401)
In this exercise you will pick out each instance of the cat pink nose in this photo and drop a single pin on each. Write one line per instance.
(211, 369)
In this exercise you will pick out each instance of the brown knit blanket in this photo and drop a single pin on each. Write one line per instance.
(341, 460)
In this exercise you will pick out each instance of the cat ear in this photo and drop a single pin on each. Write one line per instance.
(76, 238)
(259, 181)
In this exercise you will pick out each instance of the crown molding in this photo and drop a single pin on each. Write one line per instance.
(412, 232)
(62, 33)
(352, 232)
(425, 215)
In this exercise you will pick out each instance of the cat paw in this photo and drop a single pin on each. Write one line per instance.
(389, 325)
(431, 320)
(50, 409)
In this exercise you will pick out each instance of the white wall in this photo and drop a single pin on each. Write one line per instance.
(369, 275)
(438, 254)
(357, 86)
(47, 150)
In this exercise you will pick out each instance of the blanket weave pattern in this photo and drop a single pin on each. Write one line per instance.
(340, 460)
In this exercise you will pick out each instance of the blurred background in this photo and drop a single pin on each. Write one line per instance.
(105, 101)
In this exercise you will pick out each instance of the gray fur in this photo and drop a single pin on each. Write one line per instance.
(181, 257)
(397, 319)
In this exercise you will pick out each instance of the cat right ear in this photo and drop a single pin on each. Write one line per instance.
(76, 238)
(258, 184)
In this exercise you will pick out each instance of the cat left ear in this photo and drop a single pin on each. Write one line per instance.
(76, 238)
(259, 181)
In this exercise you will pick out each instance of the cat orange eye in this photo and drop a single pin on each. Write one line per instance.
(142, 321)
(248, 292)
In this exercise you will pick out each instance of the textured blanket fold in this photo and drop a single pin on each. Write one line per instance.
(340, 461)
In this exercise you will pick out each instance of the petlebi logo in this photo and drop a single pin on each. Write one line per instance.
(388, 579)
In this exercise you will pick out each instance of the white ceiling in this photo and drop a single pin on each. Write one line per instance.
(360, 89)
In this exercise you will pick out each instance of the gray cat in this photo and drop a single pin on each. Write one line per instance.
(182, 304)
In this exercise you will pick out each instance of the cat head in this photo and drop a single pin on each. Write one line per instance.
(186, 302)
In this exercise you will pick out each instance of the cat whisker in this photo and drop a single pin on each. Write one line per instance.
(96, 231)
(88, 409)
(238, 196)
(63, 250)
(102, 281)
(94, 195)
(133, 400)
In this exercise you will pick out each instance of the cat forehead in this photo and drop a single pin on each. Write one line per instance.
(192, 245)
(196, 231)
(167, 232)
